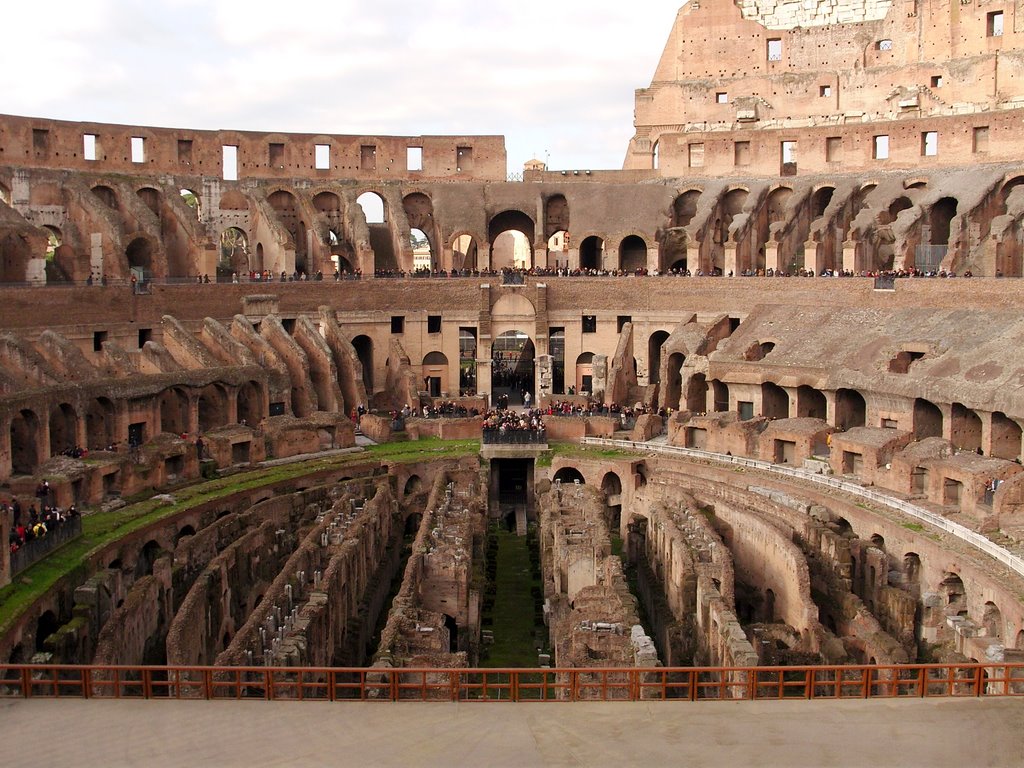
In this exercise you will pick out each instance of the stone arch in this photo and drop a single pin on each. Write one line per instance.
(513, 361)
(174, 411)
(569, 475)
(901, 203)
(147, 557)
(1005, 437)
(584, 373)
(139, 254)
(106, 195)
(212, 407)
(811, 403)
(46, 625)
(851, 409)
(654, 344)
(992, 620)
(774, 401)
(435, 373)
(927, 419)
(100, 424)
(288, 212)
(1009, 185)
(556, 215)
(965, 428)
(720, 391)
(611, 486)
(151, 198)
(249, 403)
(510, 221)
(327, 203)
(632, 254)
(674, 380)
(186, 530)
(191, 199)
(776, 203)
(63, 429)
(684, 208)
(952, 589)
(374, 207)
(939, 218)
(24, 445)
(234, 252)
(592, 253)
(419, 210)
(464, 252)
(697, 393)
(912, 571)
(424, 256)
(363, 346)
(413, 486)
(820, 201)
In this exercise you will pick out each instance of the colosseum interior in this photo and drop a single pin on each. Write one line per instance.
(782, 422)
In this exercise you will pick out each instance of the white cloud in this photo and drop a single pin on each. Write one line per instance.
(549, 76)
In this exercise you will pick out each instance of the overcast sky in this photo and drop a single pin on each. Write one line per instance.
(555, 77)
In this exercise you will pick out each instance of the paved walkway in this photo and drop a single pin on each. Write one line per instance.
(966, 733)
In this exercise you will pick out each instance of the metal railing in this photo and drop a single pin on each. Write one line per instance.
(33, 551)
(976, 540)
(514, 437)
(910, 681)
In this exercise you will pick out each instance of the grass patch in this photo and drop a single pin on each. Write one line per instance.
(102, 528)
(514, 612)
(915, 527)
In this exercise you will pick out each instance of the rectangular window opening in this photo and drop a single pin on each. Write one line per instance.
(368, 157)
(833, 149)
(414, 159)
(464, 159)
(322, 157)
(138, 149)
(98, 337)
(994, 26)
(722, 97)
(930, 143)
(397, 324)
(824, 90)
(881, 148)
(696, 155)
(742, 152)
(981, 139)
(145, 334)
(229, 158)
(433, 323)
(936, 81)
(775, 49)
(589, 324)
(40, 140)
(185, 151)
(275, 155)
(621, 321)
(89, 146)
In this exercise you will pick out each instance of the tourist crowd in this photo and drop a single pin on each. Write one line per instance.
(528, 424)
(35, 522)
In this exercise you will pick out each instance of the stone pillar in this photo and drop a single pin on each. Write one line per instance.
(193, 414)
(814, 256)
(611, 258)
(730, 263)
(771, 256)
(540, 256)
(850, 260)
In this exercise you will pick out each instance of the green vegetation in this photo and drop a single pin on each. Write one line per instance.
(512, 610)
(576, 450)
(101, 528)
(915, 527)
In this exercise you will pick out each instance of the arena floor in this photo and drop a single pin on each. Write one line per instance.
(937, 733)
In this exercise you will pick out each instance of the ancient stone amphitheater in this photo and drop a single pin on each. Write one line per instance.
(776, 356)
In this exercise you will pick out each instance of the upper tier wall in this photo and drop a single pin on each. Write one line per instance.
(33, 142)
